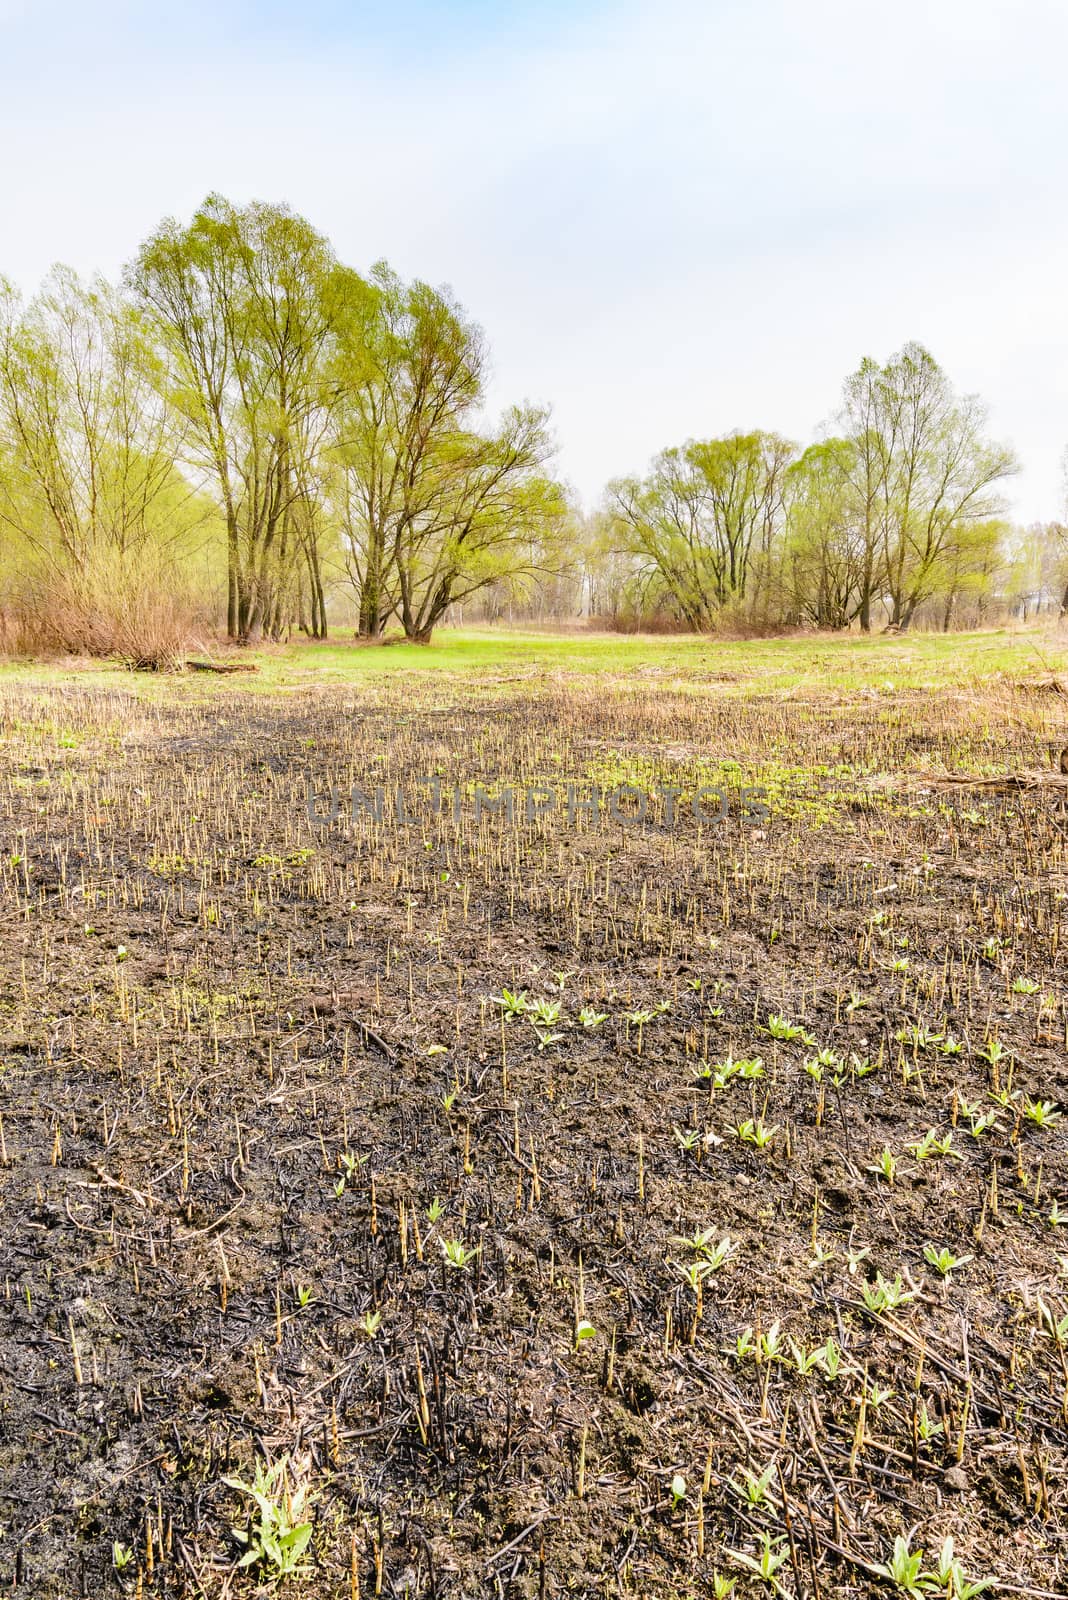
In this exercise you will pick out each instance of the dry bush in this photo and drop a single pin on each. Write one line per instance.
(139, 615)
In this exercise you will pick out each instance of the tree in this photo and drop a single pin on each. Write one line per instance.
(827, 557)
(246, 301)
(925, 475)
(91, 451)
(707, 514)
(431, 508)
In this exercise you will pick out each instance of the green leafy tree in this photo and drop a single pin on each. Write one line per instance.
(826, 558)
(246, 301)
(431, 507)
(926, 475)
(705, 524)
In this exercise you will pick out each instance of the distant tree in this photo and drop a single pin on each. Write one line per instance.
(90, 450)
(829, 576)
(970, 567)
(926, 475)
(707, 516)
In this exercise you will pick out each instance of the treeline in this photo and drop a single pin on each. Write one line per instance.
(900, 504)
(245, 401)
(895, 518)
(246, 417)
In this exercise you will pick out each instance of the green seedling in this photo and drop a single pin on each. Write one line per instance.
(884, 1295)
(773, 1553)
(457, 1255)
(513, 1005)
(764, 1347)
(753, 1131)
(904, 1568)
(1043, 1113)
(987, 1122)
(943, 1260)
(280, 1538)
(781, 1028)
(754, 1487)
(926, 1427)
(931, 1145)
(885, 1165)
(1054, 1327)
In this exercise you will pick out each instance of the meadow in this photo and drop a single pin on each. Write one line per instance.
(432, 1202)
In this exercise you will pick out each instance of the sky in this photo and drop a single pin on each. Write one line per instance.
(672, 219)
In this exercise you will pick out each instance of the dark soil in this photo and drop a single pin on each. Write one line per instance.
(255, 1077)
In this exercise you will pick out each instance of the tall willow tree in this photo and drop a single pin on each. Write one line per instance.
(925, 475)
(432, 507)
(246, 301)
(90, 448)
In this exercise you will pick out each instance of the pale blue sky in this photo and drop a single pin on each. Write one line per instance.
(672, 219)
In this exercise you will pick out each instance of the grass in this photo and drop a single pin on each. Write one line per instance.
(702, 665)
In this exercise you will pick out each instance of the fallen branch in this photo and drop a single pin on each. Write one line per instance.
(222, 666)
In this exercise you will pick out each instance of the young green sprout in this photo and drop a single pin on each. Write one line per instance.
(755, 1487)
(1043, 1113)
(885, 1295)
(885, 1165)
(753, 1131)
(513, 1005)
(904, 1568)
(931, 1145)
(772, 1553)
(456, 1254)
(781, 1028)
(943, 1260)
(279, 1539)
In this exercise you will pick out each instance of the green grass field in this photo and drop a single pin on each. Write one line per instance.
(804, 662)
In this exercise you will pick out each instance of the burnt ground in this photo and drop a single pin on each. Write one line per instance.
(283, 1181)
